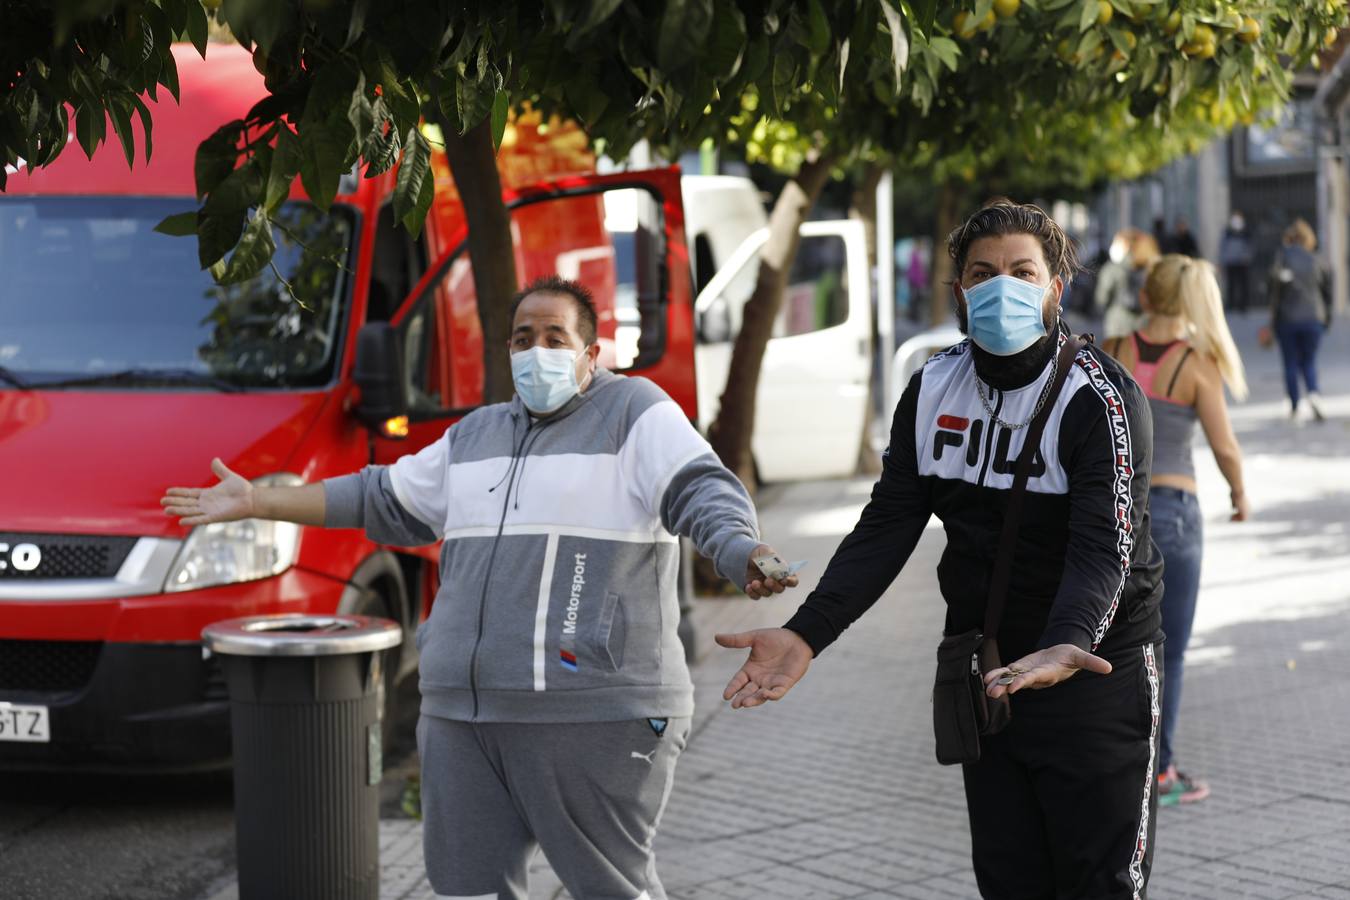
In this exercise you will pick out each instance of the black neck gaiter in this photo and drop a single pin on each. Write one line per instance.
(1008, 373)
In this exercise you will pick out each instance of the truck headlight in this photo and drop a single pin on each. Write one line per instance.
(231, 552)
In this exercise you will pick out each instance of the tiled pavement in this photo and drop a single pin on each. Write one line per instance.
(833, 793)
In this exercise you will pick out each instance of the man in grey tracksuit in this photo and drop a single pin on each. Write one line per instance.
(555, 695)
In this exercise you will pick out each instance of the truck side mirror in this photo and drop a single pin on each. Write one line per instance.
(379, 375)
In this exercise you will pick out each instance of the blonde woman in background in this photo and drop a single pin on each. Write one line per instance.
(1300, 311)
(1182, 357)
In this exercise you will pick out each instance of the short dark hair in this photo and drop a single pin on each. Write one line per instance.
(1003, 216)
(587, 322)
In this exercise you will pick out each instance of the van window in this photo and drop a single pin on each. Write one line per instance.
(90, 289)
(446, 317)
(613, 242)
(398, 263)
(816, 296)
(704, 266)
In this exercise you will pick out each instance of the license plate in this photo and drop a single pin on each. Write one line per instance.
(24, 723)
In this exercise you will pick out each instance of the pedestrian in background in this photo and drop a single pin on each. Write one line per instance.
(916, 274)
(555, 694)
(1300, 312)
(1235, 255)
(1061, 800)
(1182, 357)
(1118, 285)
(1182, 241)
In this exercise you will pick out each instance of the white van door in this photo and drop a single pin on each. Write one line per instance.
(811, 402)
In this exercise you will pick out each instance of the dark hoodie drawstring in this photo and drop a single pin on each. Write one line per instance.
(515, 457)
(523, 451)
(524, 457)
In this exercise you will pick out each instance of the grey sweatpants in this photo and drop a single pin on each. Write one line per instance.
(590, 794)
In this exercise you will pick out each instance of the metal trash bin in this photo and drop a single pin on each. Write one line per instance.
(304, 712)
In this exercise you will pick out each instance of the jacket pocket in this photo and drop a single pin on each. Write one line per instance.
(611, 633)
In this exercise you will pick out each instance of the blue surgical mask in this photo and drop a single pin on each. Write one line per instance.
(545, 377)
(1004, 315)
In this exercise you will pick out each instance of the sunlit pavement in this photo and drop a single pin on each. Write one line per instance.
(834, 792)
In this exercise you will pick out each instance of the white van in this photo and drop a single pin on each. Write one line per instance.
(811, 406)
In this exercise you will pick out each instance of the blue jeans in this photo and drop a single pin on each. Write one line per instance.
(1178, 531)
(1298, 349)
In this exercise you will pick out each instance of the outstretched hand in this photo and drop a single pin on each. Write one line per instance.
(778, 660)
(756, 585)
(1044, 668)
(230, 500)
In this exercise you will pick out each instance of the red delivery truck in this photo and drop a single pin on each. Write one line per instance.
(124, 369)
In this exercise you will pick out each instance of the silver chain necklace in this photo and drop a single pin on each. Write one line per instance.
(1040, 401)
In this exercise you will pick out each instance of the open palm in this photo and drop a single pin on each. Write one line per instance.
(778, 659)
(228, 501)
(1042, 669)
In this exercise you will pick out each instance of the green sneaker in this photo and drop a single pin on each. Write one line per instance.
(1176, 787)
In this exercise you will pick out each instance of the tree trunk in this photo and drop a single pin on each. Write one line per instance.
(731, 430)
(473, 162)
(863, 206)
(951, 198)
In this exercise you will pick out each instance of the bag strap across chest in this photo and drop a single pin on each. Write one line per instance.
(1012, 516)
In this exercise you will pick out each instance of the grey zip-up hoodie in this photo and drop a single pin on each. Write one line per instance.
(558, 573)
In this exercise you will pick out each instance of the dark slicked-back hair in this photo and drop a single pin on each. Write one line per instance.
(581, 297)
(1006, 217)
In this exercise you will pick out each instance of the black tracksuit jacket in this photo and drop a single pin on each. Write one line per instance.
(1084, 571)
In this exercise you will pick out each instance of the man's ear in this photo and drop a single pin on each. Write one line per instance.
(592, 355)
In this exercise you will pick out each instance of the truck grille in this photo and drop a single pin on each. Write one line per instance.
(65, 555)
(47, 665)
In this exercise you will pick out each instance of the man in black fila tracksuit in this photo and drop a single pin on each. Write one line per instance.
(1061, 802)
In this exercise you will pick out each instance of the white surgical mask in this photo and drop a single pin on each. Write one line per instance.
(545, 377)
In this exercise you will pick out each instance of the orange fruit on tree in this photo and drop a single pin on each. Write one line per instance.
(1104, 12)
(989, 21)
(1199, 49)
(1172, 24)
(964, 24)
(1006, 9)
(1065, 51)
(1249, 30)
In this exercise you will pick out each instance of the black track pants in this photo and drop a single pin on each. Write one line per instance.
(1062, 803)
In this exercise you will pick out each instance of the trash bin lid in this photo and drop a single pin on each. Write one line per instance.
(296, 634)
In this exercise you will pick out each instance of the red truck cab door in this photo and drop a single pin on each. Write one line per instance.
(622, 235)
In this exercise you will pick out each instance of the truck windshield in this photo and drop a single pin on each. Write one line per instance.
(91, 294)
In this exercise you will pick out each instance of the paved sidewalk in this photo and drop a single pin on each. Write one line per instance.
(834, 792)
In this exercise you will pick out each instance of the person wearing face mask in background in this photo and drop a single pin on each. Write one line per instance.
(1235, 255)
(555, 694)
(1121, 278)
(1061, 801)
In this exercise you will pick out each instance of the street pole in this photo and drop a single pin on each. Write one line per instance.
(885, 256)
(1333, 193)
